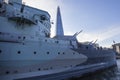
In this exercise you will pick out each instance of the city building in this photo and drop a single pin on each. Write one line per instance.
(116, 47)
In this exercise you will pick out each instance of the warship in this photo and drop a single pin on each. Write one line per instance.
(27, 52)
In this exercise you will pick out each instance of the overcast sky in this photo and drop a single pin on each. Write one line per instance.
(99, 19)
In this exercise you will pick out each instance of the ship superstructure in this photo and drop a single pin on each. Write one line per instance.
(27, 50)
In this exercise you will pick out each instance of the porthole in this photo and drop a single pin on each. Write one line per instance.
(39, 69)
(63, 52)
(58, 52)
(24, 38)
(48, 53)
(0, 51)
(57, 42)
(19, 37)
(35, 52)
(51, 67)
(19, 52)
(7, 72)
(45, 40)
(86, 47)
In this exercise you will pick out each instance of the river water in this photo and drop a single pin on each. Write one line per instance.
(117, 76)
(113, 74)
(109, 74)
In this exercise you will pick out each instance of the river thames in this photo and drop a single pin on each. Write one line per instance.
(113, 74)
(109, 74)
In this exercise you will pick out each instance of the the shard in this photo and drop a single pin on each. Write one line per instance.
(59, 26)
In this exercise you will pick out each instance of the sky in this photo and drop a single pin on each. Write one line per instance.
(99, 19)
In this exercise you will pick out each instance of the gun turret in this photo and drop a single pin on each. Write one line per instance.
(76, 34)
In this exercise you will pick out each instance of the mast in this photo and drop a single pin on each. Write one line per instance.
(59, 26)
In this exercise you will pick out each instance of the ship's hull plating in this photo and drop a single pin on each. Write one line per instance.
(26, 50)
(29, 63)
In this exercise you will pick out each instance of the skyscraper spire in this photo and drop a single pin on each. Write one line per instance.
(59, 26)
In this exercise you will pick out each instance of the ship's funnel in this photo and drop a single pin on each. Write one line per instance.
(59, 26)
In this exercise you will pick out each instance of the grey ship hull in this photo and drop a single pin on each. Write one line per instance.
(101, 61)
(99, 56)
(27, 52)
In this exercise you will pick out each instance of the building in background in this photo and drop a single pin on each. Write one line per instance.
(116, 47)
